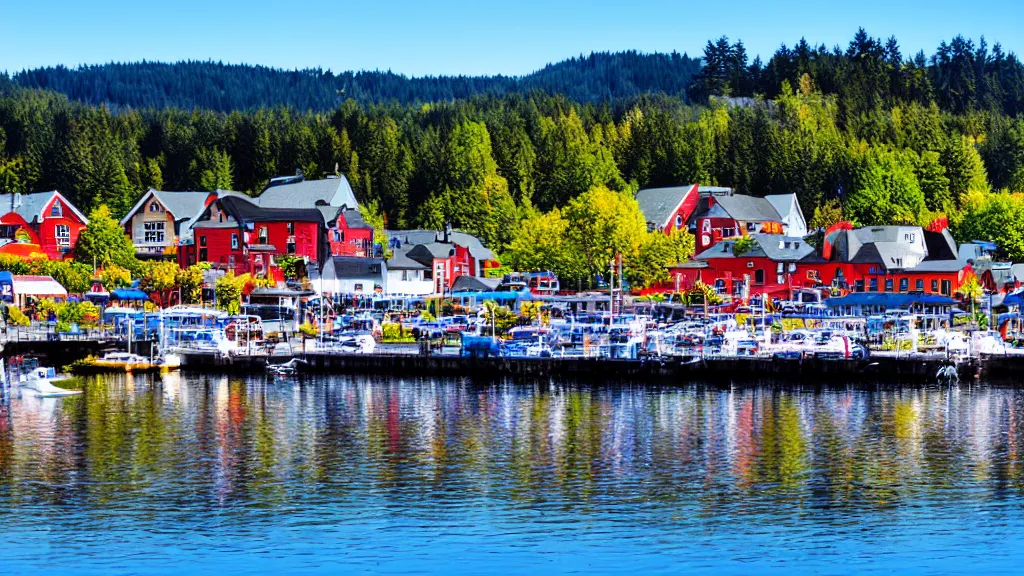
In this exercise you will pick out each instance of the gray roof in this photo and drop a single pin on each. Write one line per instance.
(747, 208)
(296, 192)
(938, 266)
(1018, 272)
(476, 247)
(426, 253)
(658, 204)
(330, 214)
(466, 283)
(354, 219)
(32, 205)
(400, 261)
(359, 268)
(791, 249)
(883, 245)
(783, 203)
(182, 205)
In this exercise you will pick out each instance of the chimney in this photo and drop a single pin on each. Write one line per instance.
(447, 232)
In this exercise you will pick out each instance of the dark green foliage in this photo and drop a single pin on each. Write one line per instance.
(601, 76)
(860, 132)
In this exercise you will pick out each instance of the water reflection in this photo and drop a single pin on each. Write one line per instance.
(387, 468)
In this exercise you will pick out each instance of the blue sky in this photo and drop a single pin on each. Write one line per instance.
(463, 37)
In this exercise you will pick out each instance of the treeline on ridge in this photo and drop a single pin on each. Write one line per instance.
(862, 134)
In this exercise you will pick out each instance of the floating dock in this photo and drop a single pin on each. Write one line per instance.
(880, 369)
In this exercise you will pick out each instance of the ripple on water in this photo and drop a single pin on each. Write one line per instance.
(439, 476)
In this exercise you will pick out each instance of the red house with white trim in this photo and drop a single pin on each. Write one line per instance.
(46, 219)
(235, 234)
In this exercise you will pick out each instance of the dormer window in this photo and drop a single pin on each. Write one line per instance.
(679, 221)
(910, 237)
(55, 210)
(155, 206)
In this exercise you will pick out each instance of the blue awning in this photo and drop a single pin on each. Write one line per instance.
(128, 294)
(1015, 298)
(496, 296)
(889, 299)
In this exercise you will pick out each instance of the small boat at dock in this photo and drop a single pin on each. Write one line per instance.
(126, 362)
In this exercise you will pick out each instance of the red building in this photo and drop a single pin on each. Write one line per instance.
(45, 219)
(446, 254)
(347, 233)
(233, 233)
(727, 217)
(896, 259)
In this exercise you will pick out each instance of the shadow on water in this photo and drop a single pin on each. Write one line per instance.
(150, 474)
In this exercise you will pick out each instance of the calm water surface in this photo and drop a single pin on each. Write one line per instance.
(377, 475)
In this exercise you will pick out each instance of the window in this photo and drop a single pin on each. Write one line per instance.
(759, 276)
(231, 261)
(204, 256)
(919, 285)
(63, 234)
(779, 268)
(358, 287)
(858, 286)
(888, 284)
(155, 207)
(751, 227)
(291, 247)
(780, 279)
(909, 237)
(873, 285)
(234, 241)
(792, 267)
(153, 232)
(264, 234)
(904, 284)
(679, 221)
(337, 236)
(202, 241)
(291, 227)
(935, 285)
(56, 211)
(947, 288)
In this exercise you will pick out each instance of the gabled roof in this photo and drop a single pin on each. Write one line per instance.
(788, 207)
(297, 192)
(472, 243)
(774, 246)
(353, 267)
(884, 245)
(32, 205)
(746, 209)
(354, 220)
(659, 204)
(181, 205)
(243, 210)
(426, 253)
(400, 261)
(940, 245)
(466, 283)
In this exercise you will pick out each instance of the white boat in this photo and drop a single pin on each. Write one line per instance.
(37, 383)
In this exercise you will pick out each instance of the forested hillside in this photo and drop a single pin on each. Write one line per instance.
(862, 133)
(223, 87)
